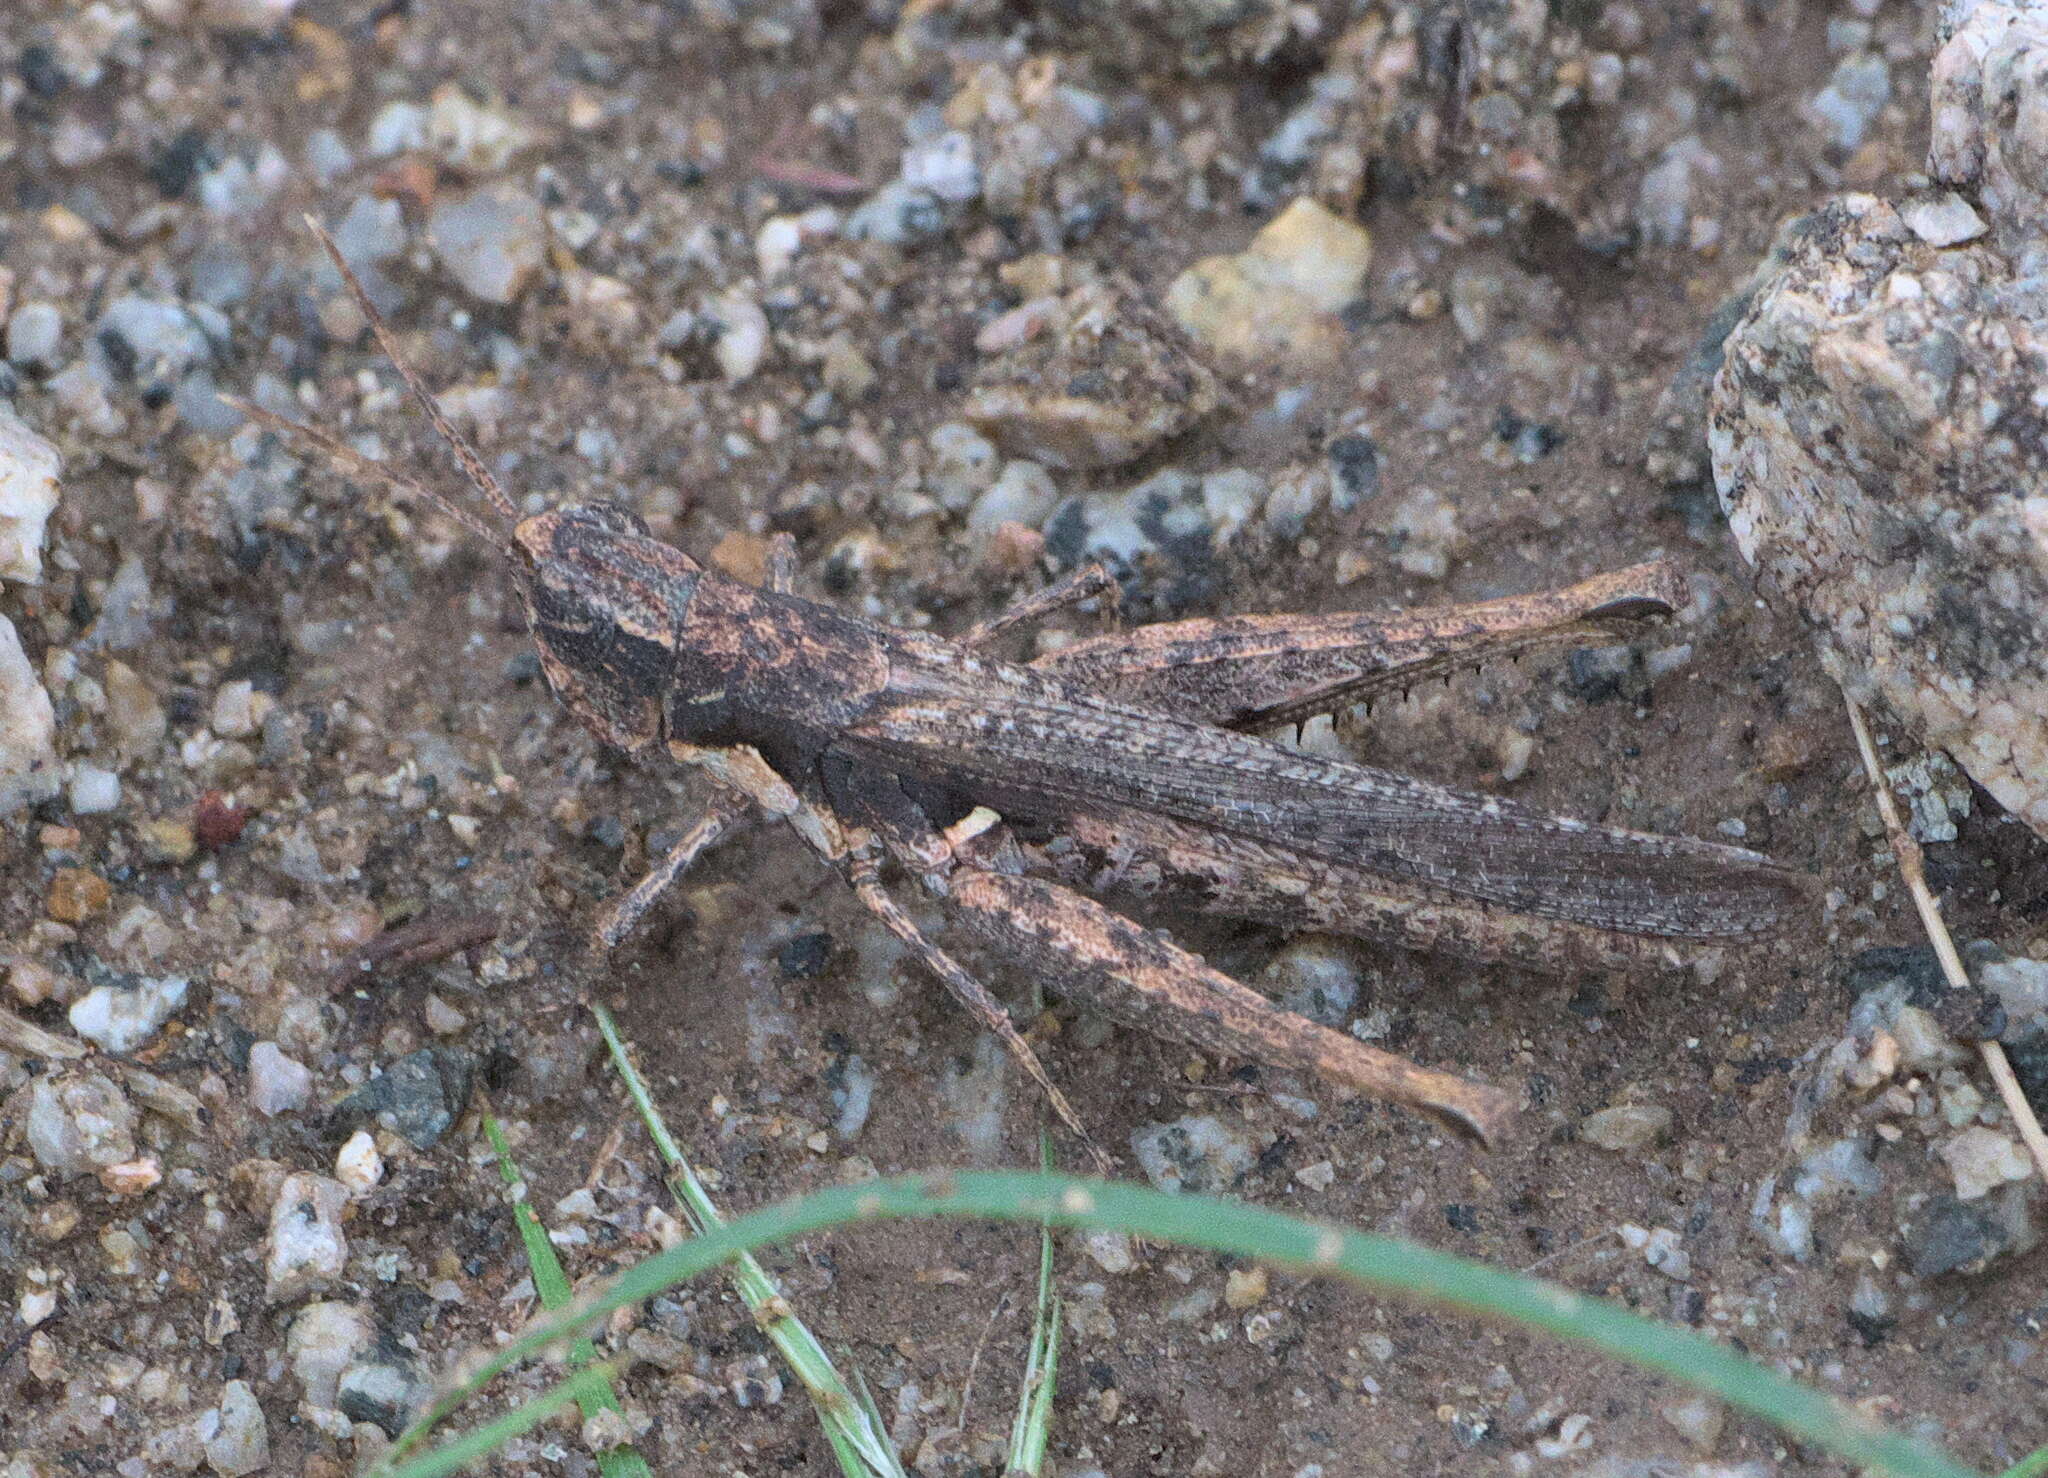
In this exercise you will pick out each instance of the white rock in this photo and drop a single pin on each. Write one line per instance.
(306, 1249)
(29, 469)
(237, 1437)
(29, 770)
(34, 335)
(1025, 493)
(945, 167)
(1199, 1153)
(742, 335)
(239, 710)
(357, 1164)
(277, 1083)
(1945, 220)
(94, 791)
(122, 1018)
(491, 240)
(1626, 1127)
(1110, 1251)
(1982, 1160)
(78, 1123)
(325, 1339)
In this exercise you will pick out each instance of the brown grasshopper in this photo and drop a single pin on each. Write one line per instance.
(1114, 761)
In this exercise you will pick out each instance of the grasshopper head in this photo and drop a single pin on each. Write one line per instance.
(603, 598)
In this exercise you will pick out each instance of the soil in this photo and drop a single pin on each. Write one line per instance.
(392, 647)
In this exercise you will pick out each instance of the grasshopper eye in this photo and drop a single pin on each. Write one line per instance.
(613, 518)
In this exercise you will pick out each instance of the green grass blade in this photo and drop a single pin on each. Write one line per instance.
(856, 1431)
(2033, 1465)
(1031, 1432)
(551, 1283)
(487, 1439)
(1380, 1263)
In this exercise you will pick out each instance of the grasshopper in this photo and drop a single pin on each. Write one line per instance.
(1119, 761)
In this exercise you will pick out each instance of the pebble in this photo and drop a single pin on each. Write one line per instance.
(899, 214)
(1947, 1236)
(121, 1018)
(1200, 1153)
(1023, 493)
(78, 1123)
(1278, 299)
(1314, 977)
(1424, 531)
(30, 468)
(135, 720)
(1942, 220)
(1244, 1288)
(357, 1164)
(943, 167)
(1982, 1160)
(29, 768)
(76, 894)
(492, 240)
(1855, 94)
(325, 1338)
(964, 466)
(237, 1437)
(239, 710)
(1626, 1128)
(742, 335)
(35, 334)
(420, 1095)
(1111, 1251)
(1317, 1177)
(1697, 1419)
(306, 1249)
(152, 342)
(853, 1097)
(277, 1083)
(380, 1392)
(94, 791)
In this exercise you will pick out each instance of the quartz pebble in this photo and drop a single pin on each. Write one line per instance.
(236, 1435)
(277, 1084)
(123, 1017)
(94, 791)
(1200, 1153)
(492, 241)
(326, 1337)
(357, 1164)
(35, 333)
(1277, 300)
(29, 768)
(1982, 1160)
(78, 1123)
(306, 1249)
(1626, 1128)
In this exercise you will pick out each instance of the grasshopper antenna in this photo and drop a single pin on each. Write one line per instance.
(472, 464)
(347, 456)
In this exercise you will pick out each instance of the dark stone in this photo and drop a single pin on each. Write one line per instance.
(1462, 1218)
(1596, 674)
(805, 956)
(423, 1094)
(373, 1392)
(1871, 1328)
(1355, 463)
(39, 69)
(174, 167)
(1950, 1235)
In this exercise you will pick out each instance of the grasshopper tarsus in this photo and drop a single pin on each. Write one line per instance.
(871, 741)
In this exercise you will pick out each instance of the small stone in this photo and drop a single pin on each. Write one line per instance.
(168, 840)
(379, 1392)
(1199, 1153)
(964, 464)
(1854, 96)
(132, 1177)
(29, 768)
(1982, 1160)
(1423, 528)
(121, 1018)
(277, 1084)
(34, 983)
(1943, 220)
(420, 1095)
(76, 894)
(1697, 1419)
(1626, 1127)
(1314, 977)
(35, 334)
(1949, 1237)
(151, 343)
(1317, 1177)
(492, 241)
(1923, 1044)
(135, 719)
(306, 1249)
(1278, 299)
(238, 1438)
(742, 335)
(94, 791)
(944, 167)
(217, 821)
(898, 214)
(325, 1339)
(78, 1123)
(357, 1164)
(1024, 493)
(239, 709)
(1110, 1251)
(442, 1019)
(1244, 1288)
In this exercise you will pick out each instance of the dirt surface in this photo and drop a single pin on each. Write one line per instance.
(395, 756)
